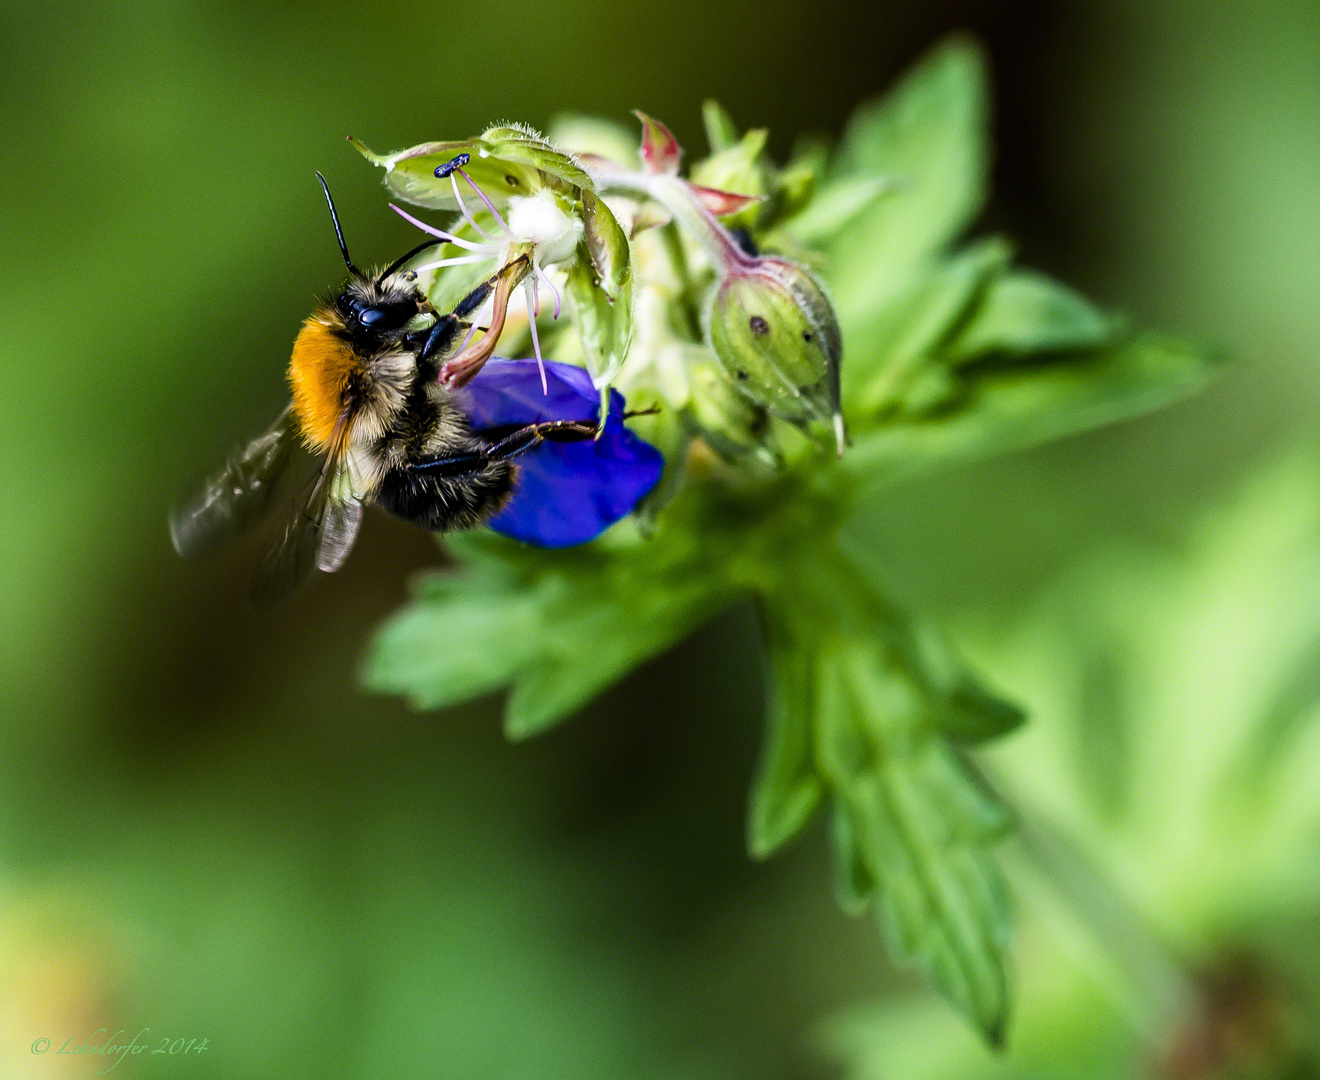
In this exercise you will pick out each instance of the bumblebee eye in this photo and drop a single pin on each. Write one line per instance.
(386, 316)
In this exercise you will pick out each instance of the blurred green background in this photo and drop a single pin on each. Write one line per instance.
(207, 830)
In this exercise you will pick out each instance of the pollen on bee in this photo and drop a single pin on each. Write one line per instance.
(319, 371)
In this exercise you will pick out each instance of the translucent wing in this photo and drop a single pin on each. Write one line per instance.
(343, 515)
(321, 531)
(231, 501)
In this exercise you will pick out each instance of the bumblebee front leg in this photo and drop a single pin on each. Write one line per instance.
(463, 368)
(437, 338)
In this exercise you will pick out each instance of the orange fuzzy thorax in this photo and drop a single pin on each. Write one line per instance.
(319, 371)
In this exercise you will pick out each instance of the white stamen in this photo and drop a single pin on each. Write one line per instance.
(540, 220)
(533, 304)
(457, 260)
(484, 198)
(462, 208)
(431, 230)
(552, 287)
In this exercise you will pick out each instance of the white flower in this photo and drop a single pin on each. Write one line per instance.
(540, 220)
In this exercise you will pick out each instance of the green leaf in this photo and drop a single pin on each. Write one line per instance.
(921, 827)
(836, 205)
(560, 626)
(721, 131)
(861, 702)
(787, 789)
(853, 884)
(888, 348)
(466, 635)
(588, 646)
(1008, 407)
(1025, 312)
(929, 137)
(961, 708)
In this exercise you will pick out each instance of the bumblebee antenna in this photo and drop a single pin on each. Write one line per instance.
(404, 258)
(339, 233)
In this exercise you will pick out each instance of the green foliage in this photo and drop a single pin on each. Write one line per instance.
(1166, 787)
(949, 354)
(928, 138)
(861, 709)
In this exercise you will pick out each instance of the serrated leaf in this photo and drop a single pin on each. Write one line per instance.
(921, 827)
(593, 641)
(787, 788)
(961, 708)
(912, 824)
(929, 136)
(560, 626)
(1025, 312)
(853, 884)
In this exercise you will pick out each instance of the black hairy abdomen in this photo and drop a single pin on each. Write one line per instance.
(443, 503)
(437, 475)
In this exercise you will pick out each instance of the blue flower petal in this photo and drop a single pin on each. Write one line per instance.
(565, 493)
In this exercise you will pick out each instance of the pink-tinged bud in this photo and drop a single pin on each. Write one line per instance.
(723, 203)
(660, 150)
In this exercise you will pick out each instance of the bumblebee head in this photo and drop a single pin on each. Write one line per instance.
(375, 306)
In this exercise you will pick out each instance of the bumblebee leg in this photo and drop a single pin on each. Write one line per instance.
(511, 445)
(458, 465)
(437, 338)
(463, 368)
(478, 296)
(533, 434)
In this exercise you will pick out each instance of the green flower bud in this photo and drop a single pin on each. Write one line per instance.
(738, 169)
(775, 333)
(729, 421)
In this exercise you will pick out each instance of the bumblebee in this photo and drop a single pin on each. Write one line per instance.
(373, 372)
